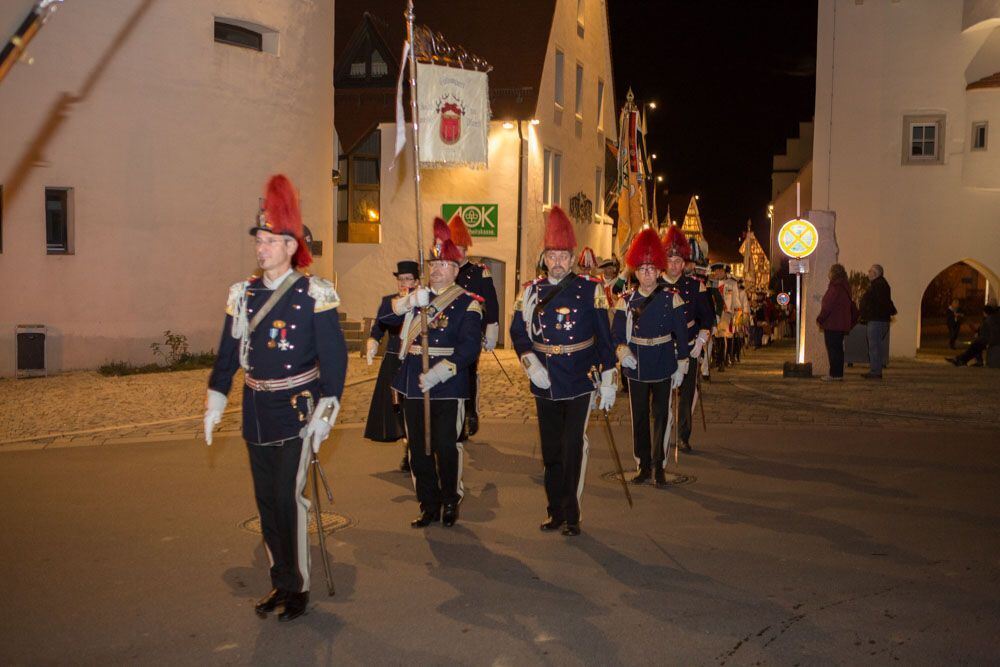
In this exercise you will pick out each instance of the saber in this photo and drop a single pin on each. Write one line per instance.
(15, 47)
(701, 401)
(502, 368)
(317, 473)
(612, 446)
(675, 399)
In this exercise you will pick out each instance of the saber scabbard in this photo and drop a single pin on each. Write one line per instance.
(616, 457)
(502, 368)
(317, 472)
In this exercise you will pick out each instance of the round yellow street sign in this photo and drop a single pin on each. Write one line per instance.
(798, 238)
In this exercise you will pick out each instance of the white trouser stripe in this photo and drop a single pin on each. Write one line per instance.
(302, 516)
(459, 424)
(631, 411)
(666, 434)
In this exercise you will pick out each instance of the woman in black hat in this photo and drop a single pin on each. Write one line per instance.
(385, 418)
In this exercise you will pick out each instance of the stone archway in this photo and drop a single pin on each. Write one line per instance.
(968, 281)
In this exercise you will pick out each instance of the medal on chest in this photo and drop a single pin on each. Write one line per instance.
(563, 321)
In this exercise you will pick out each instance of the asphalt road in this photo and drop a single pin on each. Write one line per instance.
(796, 545)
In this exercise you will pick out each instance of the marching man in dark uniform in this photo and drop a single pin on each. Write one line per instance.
(561, 332)
(475, 278)
(282, 328)
(385, 414)
(650, 334)
(699, 316)
(454, 328)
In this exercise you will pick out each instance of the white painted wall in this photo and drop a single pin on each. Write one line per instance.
(876, 62)
(168, 139)
(364, 271)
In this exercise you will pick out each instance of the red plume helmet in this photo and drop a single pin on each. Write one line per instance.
(444, 248)
(587, 259)
(281, 215)
(646, 249)
(559, 231)
(459, 232)
(676, 244)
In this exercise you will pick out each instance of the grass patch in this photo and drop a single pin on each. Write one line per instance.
(187, 362)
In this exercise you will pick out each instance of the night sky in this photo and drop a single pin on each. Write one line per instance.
(731, 79)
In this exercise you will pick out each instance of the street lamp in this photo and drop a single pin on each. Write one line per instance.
(652, 106)
(770, 239)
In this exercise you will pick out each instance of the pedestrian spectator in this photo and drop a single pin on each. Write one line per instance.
(877, 310)
(836, 318)
(988, 336)
(954, 319)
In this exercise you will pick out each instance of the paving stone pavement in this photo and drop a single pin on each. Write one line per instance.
(922, 393)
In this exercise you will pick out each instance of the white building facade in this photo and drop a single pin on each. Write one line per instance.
(553, 152)
(133, 154)
(905, 151)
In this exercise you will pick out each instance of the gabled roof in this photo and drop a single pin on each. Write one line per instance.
(991, 81)
(512, 35)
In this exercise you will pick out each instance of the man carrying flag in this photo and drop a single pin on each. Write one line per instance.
(475, 278)
(561, 333)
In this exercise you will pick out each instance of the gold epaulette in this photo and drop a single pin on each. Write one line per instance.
(323, 293)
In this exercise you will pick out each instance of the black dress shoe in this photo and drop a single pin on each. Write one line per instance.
(571, 529)
(551, 524)
(642, 476)
(295, 606)
(661, 478)
(449, 515)
(270, 602)
(685, 446)
(425, 519)
(952, 360)
(472, 425)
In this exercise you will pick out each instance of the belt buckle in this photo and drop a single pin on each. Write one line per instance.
(557, 349)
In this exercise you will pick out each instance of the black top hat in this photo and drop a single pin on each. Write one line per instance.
(407, 266)
(608, 263)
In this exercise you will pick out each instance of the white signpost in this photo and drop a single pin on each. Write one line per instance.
(798, 239)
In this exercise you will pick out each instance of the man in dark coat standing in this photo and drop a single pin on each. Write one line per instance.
(877, 310)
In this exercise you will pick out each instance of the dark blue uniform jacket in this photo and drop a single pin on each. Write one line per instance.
(664, 314)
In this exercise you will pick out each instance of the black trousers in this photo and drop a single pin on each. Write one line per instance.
(437, 478)
(720, 350)
(953, 335)
(562, 426)
(686, 403)
(279, 477)
(471, 403)
(974, 351)
(641, 395)
(835, 351)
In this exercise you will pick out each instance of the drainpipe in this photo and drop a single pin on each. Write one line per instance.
(520, 206)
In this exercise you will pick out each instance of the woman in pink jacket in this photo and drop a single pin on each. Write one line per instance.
(836, 318)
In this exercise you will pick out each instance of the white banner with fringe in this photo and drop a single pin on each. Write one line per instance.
(454, 109)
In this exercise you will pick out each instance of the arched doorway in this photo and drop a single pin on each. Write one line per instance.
(972, 285)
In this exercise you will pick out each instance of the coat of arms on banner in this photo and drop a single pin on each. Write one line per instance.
(454, 111)
(450, 112)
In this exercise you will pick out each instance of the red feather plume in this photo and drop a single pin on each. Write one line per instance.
(459, 232)
(646, 249)
(559, 233)
(444, 248)
(281, 209)
(676, 244)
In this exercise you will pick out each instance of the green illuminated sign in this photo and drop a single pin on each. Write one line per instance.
(481, 219)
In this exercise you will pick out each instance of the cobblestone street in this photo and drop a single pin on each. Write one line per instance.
(83, 408)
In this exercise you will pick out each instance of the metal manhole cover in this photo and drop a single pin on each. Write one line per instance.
(673, 478)
(331, 522)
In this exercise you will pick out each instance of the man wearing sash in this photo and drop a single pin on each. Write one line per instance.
(282, 328)
(650, 335)
(454, 327)
(561, 333)
(476, 279)
(699, 320)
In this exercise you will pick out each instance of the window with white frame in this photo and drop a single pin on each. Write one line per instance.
(552, 178)
(578, 105)
(59, 221)
(923, 139)
(979, 130)
(600, 104)
(247, 35)
(599, 191)
(579, 17)
(559, 96)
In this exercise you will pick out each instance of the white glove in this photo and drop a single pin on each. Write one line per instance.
(608, 389)
(371, 347)
(492, 334)
(678, 377)
(699, 345)
(323, 418)
(537, 373)
(438, 373)
(215, 403)
(418, 298)
(626, 358)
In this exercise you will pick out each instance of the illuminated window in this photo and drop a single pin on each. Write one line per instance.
(358, 192)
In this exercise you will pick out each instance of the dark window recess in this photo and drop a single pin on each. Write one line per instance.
(30, 350)
(236, 35)
(56, 220)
